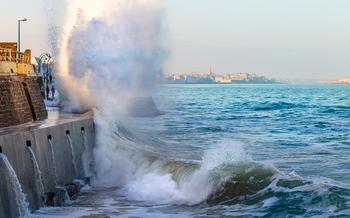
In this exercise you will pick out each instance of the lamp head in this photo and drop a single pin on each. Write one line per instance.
(22, 19)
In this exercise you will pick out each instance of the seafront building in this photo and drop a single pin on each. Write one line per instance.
(21, 99)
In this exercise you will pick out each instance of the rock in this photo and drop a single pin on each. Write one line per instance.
(143, 107)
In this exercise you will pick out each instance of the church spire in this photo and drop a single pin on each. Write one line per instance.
(210, 72)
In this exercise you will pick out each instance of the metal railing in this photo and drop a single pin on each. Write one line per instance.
(14, 56)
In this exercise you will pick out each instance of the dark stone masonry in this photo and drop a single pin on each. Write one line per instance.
(20, 100)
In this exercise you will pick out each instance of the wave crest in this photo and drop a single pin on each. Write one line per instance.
(224, 173)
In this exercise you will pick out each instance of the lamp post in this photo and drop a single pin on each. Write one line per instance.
(19, 36)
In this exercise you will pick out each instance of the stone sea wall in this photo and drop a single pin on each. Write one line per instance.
(20, 100)
(62, 152)
(14, 108)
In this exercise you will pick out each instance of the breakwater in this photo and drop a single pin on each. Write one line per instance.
(42, 164)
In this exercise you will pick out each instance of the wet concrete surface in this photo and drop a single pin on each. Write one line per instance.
(55, 117)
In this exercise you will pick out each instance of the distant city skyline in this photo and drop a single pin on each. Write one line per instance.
(281, 39)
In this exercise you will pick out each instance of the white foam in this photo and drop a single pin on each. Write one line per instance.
(192, 189)
(153, 187)
(270, 202)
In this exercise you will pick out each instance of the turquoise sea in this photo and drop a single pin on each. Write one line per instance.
(231, 151)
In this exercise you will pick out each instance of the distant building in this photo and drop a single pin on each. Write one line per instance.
(210, 77)
(341, 81)
(222, 79)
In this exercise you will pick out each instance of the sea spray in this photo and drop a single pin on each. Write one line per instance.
(37, 173)
(110, 51)
(113, 165)
(21, 200)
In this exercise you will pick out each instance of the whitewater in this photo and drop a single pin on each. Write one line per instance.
(230, 153)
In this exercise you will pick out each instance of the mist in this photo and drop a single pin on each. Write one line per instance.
(109, 52)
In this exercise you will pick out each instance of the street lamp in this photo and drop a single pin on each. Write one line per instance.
(19, 33)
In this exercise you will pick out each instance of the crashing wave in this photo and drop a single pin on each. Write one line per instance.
(226, 175)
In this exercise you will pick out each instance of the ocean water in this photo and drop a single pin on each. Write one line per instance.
(225, 151)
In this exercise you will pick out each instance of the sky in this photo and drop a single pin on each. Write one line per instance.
(293, 39)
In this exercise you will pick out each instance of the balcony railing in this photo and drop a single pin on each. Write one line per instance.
(14, 56)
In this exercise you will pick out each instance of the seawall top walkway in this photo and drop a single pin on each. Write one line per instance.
(55, 117)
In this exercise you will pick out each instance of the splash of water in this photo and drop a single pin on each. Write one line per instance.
(21, 200)
(106, 59)
(194, 186)
(66, 199)
(37, 172)
(110, 52)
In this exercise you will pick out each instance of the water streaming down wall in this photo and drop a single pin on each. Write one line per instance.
(53, 159)
(37, 174)
(87, 155)
(15, 193)
(51, 152)
(72, 153)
